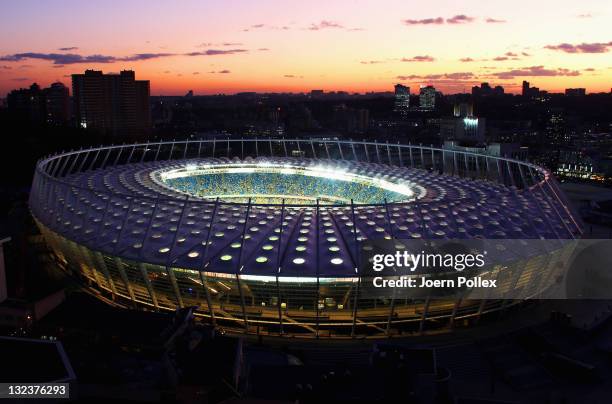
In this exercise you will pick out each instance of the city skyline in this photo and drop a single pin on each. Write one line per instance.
(231, 47)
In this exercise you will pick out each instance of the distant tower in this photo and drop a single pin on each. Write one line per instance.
(427, 98)
(28, 104)
(58, 104)
(575, 92)
(525, 91)
(402, 99)
(485, 89)
(114, 104)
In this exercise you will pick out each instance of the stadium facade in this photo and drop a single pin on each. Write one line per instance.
(264, 235)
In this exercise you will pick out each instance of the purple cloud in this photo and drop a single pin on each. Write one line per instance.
(61, 59)
(423, 58)
(324, 24)
(214, 52)
(507, 56)
(460, 19)
(254, 26)
(459, 76)
(371, 62)
(57, 58)
(69, 48)
(595, 47)
(144, 56)
(209, 44)
(425, 21)
(466, 60)
(72, 58)
(490, 20)
(535, 71)
(457, 19)
(441, 76)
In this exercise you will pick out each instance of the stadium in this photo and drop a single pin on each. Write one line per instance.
(263, 236)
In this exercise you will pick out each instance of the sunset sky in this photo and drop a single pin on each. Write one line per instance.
(230, 46)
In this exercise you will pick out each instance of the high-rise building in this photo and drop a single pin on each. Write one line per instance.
(463, 109)
(41, 106)
(143, 106)
(556, 128)
(485, 90)
(363, 120)
(468, 128)
(351, 120)
(57, 98)
(498, 90)
(575, 92)
(463, 126)
(114, 104)
(525, 89)
(274, 115)
(402, 99)
(27, 104)
(473, 128)
(427, 98)
(531, 92)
